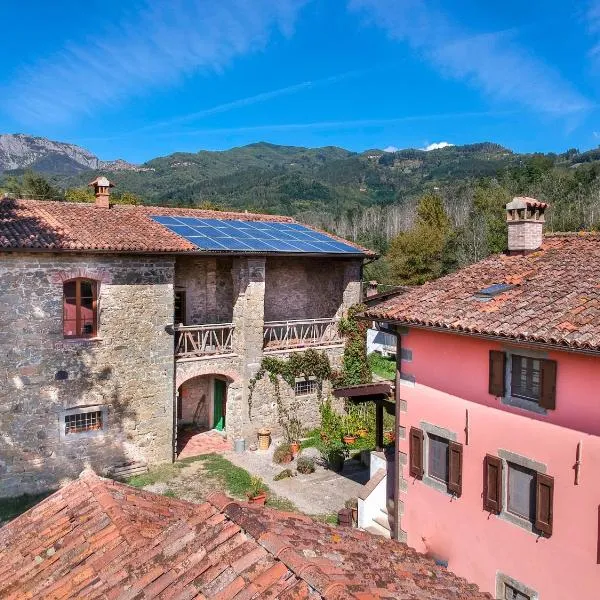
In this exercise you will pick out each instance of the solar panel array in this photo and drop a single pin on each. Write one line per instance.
(253, 236)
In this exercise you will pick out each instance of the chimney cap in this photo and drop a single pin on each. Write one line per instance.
(520, 202)
(101, 181)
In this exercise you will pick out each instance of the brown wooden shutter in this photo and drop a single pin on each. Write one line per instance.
(497, 369)
(492, 484)
(548, 384)
(455, 468)
(543, 503)
(416, 453)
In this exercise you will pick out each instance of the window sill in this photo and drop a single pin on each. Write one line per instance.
(81, 340)
(527, 405)
(438, 485)
(521, 522)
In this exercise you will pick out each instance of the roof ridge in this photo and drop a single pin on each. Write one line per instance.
(282, 548)
(98, 486)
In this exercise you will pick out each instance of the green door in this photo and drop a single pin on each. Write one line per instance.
(219, 405)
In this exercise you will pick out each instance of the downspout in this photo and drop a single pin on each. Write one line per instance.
(397, 464)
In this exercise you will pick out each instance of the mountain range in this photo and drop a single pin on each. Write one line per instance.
(283, 179)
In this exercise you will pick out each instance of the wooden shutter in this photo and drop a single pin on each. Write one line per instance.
(544, 495)
(492, 484)
(416, 453)
(455, 468)
(497, 369)
(548, 384)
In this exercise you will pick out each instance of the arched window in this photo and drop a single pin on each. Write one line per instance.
(80, 308)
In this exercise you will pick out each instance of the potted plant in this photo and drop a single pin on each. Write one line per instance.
(295, 448)
(257, 494)
(306, 465)
(293, 433)
(349, 437)
(353, 504)
(283, 454)
(334, 453)
(362, 432)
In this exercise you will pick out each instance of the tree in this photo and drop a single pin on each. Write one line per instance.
(426, 251)
(125, 198)
(36, 187)
(80, 194)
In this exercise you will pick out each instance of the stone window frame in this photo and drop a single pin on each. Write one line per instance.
(528, 463)
(502, 580)
(79, 410)
(430, 429)
(515, 401)
(312, 380)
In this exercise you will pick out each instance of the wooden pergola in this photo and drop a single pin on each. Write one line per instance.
(379, 393)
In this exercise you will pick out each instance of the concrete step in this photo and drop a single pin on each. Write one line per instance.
(383, 521)
(376, 529)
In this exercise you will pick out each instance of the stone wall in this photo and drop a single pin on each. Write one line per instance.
(208, 285)
(308, 288)
(195, 401)
(128, 369)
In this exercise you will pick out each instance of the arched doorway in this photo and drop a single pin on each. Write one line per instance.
(202, 415)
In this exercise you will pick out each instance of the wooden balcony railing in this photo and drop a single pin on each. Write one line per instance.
(203, 340)
(280, 335)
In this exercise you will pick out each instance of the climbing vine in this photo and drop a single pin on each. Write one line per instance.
(355, 365)
(301, 364)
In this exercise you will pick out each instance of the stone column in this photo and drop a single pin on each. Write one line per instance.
(351, 293)
(248, 318)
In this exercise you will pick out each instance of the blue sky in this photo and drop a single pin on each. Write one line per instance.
(137, 79)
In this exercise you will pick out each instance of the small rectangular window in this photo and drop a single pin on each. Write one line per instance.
(511, 593)
(304, 387)
(521, 492)
(438, 458)
(525, 377)
(82, 422)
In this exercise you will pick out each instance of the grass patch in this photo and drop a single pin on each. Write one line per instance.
(331, 519)
(312, 440)
(235, 480)
(384, 367)
(274, 501)
(160, 473)
(13, 507)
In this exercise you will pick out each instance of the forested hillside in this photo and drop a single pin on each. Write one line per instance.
(370, 197)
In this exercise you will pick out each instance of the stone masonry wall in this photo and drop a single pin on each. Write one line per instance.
(128, 370)
(209, 288)
(305, 288)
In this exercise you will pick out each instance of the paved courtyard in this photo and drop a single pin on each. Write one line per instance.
(321, 492)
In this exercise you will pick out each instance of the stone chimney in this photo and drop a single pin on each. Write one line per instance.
(101, 187)
(525, 220)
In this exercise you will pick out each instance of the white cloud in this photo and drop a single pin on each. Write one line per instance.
(391, 149)
(437, 146)
(157, 46)
(494, 63)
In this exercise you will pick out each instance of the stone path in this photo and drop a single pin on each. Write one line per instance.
(322, 492)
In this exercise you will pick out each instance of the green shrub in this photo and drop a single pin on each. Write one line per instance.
(282, 454)
(285, 474)
(305, 465)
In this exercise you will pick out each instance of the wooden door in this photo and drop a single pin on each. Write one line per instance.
(220, 401)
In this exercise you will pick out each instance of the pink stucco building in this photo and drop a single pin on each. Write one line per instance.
(499, 422)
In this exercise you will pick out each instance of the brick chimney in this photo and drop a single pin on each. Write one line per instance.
(101, 187)
(525, 220)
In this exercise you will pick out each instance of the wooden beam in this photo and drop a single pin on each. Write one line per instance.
(379, 427)
(365, 389)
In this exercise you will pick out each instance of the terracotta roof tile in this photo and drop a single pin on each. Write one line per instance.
(555, 298)
(96, 538)
(70, 226)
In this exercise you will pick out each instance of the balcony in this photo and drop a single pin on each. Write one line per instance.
(306, 333)
(196, 341)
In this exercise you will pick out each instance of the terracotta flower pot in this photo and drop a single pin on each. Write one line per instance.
(349, 439)
(260, 499)
(295, 447)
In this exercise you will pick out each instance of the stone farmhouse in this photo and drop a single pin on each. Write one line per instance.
(498, 429)
(119, 324)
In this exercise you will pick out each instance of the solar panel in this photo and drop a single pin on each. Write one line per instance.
(494, 290)
(253, 236)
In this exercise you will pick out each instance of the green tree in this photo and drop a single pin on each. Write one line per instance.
(125, 198)
(426, 251)
(36, 187)
(80, 194)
